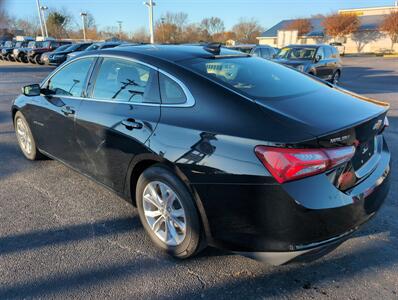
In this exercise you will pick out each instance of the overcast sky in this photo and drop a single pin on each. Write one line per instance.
(134, 14)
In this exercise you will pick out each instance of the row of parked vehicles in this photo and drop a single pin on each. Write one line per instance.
(322, 61)
(50, 52)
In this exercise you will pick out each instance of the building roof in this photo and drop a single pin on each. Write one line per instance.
(367, 23)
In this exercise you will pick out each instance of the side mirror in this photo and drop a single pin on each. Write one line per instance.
(31, 90)
(318, 58)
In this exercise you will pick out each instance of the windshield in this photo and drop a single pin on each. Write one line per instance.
(255, 77)
(46, 44)
(8, 44)
(18, 44)
(31, 44)
(93, 47)
(62, 48)
(297, 53)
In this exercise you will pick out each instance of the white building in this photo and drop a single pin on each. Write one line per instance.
(369, 39)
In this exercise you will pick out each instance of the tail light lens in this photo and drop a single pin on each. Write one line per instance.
(290, 164)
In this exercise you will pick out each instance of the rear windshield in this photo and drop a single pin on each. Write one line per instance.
(255, 77)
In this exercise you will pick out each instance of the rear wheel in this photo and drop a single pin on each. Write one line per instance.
(168, 213)
(25, 138)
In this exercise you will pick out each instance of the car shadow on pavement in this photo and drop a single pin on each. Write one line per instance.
(74, 233)
(274, 281)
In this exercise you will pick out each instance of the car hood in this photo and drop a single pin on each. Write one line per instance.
(323, 111)
(293, 63)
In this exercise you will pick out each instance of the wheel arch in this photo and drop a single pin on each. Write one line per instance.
(140, 163)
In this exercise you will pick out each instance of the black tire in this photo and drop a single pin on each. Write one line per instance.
(37, 59)
(193, 240)
(34, 154)
(336, 77)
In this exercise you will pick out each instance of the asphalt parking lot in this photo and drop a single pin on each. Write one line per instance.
(63, 236)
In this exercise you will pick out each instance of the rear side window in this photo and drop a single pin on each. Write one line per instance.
(170, 91)
(70, 80)
(123, 80)
(258, 79)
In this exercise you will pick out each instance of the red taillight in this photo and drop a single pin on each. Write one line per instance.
(289, 164)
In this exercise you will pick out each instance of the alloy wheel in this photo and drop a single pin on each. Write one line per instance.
(23, 136)
(164, 213)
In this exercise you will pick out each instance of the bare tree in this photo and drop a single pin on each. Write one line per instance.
(390, 27)
(170, 27)
(212, 26)
(140, 36)
(246, 31)
(340, 25)
(303, 26)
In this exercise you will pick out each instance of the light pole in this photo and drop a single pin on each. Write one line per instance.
(120, 29)
(150, 6)
(84, 15)
(40, 19)
(43, 8)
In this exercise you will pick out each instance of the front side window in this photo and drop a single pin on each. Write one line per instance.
(320, 53)
(70, 80)
(170, 91)
(123, 80)
(258, 79)
(265, 53)
(328, 52)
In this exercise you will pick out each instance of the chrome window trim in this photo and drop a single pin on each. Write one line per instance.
(188, 103)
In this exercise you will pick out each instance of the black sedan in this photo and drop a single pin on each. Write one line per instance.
(214, 147)
(60, 56)
(322, 61)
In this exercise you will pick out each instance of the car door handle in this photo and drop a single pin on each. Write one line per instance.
(67, 110)
(131, 124)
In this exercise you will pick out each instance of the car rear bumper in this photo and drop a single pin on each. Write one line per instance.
(295, 218)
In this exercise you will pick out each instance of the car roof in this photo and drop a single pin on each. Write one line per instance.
(308, 46)
(175, 52)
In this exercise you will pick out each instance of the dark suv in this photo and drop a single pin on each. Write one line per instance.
(264, 51)
(34, 55)
(322, 61)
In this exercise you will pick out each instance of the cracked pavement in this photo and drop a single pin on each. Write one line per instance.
(64, 236)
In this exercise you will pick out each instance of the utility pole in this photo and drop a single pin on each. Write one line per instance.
(40, 19)
(84, 15)
(120, 29)
(43, 8)
(150, 6)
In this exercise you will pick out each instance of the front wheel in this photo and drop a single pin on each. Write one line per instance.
(335, 78)
(168, 212)
(25, 138)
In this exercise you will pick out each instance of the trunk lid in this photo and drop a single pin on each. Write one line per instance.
(337, 118)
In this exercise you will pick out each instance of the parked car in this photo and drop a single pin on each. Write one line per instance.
(45, 55)
(21, 54)
(245, 48)
(294, 166)
(34, 55)
(339, 46)
(95, 46)
(322, 61)
(264, 51)
(6, 44)
(59, 57)
(7, 52)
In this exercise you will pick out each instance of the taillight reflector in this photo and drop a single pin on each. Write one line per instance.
(287, 164)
